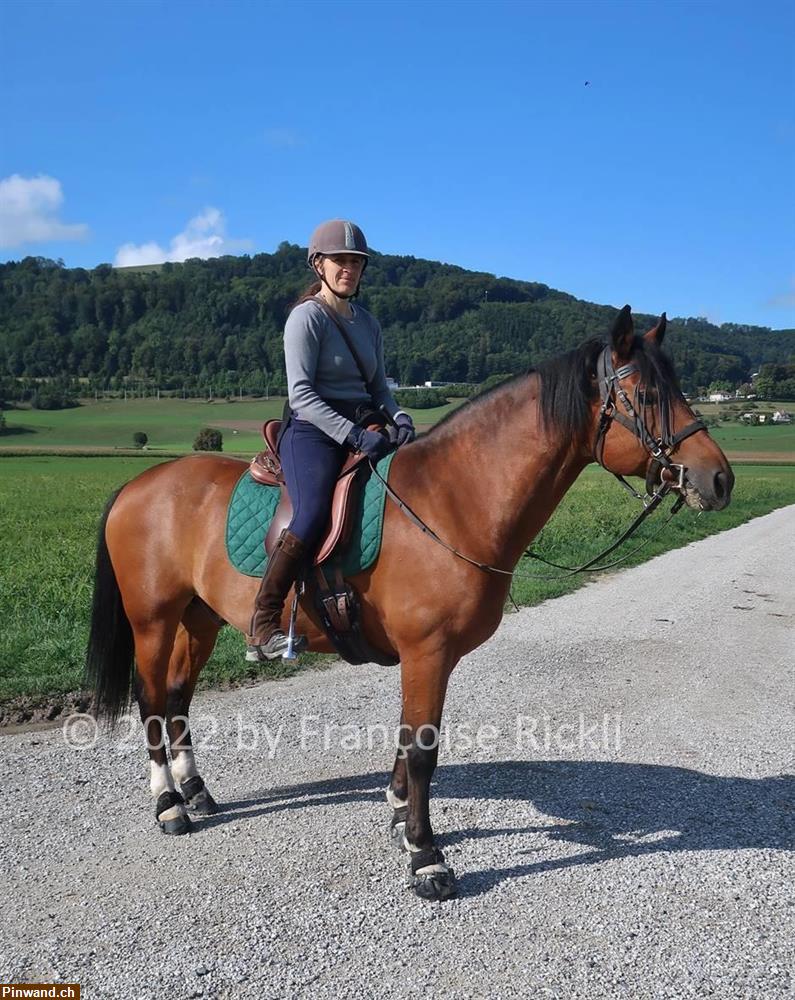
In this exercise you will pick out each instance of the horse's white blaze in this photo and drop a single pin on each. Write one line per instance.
(183, 765)
(394, 801)
(160, 779)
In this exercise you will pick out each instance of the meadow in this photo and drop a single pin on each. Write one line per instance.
(50, 507)
(170, 424)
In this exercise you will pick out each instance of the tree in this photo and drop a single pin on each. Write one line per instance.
(208, 439)
(140, 439)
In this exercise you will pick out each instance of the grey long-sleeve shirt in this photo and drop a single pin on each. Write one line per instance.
(320, 366)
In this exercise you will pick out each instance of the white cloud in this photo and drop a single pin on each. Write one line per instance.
(204, 236)
(29, 209)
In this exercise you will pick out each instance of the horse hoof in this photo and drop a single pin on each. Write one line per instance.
(430, 877)
(171, 815)
(436, 887)
(197, 798)
(177, 826)
(203, 804)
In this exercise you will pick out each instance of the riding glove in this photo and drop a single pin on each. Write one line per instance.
(373, 444)
(405, 429)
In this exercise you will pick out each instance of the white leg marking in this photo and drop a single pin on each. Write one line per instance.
(183, 765)
(173, 813)
(394, 801)
(160, 780)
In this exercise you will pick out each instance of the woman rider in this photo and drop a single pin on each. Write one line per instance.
(327, 396)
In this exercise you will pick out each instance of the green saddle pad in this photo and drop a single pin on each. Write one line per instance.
(253, 505)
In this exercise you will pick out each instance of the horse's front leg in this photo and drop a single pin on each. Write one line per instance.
(424, 683)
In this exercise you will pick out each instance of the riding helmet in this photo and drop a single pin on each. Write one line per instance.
(337, 236)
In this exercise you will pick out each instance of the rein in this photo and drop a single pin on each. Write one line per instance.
(660, 450)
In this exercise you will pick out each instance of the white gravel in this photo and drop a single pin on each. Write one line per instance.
(635, 840)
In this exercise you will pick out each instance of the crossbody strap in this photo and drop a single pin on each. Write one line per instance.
(338, 323)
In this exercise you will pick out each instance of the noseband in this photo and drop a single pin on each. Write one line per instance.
(660, 449)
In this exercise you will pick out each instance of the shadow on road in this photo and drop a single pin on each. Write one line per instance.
(613, 810)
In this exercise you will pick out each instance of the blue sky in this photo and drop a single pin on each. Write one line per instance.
(462, 132)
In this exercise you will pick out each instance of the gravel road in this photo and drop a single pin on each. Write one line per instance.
(624, 828)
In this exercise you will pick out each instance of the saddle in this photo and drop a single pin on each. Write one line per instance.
(266, 468)
(335, 600)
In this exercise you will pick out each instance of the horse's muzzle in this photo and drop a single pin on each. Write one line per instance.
(704, 491)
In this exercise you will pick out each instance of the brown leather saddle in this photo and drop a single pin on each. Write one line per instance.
(267, 469)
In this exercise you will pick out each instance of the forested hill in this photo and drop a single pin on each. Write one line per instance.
(211, 320)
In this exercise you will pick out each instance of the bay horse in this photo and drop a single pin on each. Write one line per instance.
(486, 479)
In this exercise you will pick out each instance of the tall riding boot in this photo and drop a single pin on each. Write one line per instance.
(266, 639)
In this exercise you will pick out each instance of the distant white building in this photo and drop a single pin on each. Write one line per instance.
(782, 417)
(720, 397)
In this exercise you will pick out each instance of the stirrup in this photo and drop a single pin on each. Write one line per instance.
(274, 648)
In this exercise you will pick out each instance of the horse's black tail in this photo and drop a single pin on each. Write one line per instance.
(110, 653)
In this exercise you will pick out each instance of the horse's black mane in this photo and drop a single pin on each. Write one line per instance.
(568, 387)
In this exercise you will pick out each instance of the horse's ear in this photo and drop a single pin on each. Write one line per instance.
(657, 332)
(623, 333)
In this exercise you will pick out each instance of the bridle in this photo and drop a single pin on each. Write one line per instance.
(659, 448)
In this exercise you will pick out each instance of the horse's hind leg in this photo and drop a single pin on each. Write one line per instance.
(193, 646)
(154, 641)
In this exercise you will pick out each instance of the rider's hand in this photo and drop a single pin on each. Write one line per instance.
(405, 429)
(371, 443)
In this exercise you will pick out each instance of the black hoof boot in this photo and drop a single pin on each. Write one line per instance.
(430, 877)
(397, 827)
(197, 798)
(176, 824)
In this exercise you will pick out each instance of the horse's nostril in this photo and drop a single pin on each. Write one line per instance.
(723, 484)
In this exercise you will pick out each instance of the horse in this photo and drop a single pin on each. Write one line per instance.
(485, 479)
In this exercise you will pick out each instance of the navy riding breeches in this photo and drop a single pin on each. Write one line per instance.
(311, 462)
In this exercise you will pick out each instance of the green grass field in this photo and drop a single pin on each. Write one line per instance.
(170, 424)
(763, 439)
(50, 508)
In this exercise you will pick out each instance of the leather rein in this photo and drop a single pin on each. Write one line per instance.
(662, 476)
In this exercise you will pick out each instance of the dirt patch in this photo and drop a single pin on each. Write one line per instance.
(27, 713)
(761, 457)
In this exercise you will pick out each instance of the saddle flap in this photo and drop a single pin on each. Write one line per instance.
(342, 504)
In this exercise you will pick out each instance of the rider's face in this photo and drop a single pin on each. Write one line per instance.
(342, 271)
